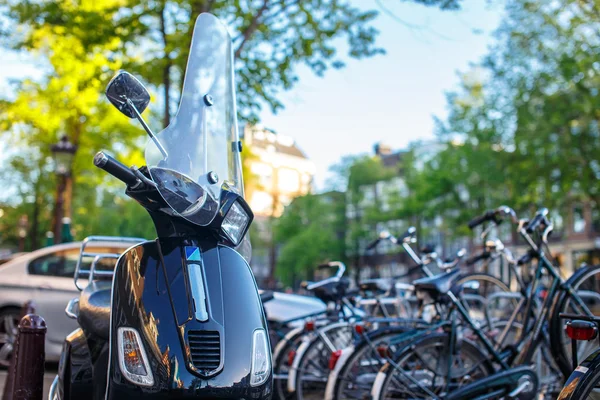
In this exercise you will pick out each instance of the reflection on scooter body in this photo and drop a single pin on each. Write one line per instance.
(182, 316)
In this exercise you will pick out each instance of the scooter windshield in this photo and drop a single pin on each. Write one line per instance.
(199, 153)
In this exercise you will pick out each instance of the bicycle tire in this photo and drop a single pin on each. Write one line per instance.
(583, 380)
(560, 343)
(346, 375)
(318, 358)
(280, 356)
(384, 380)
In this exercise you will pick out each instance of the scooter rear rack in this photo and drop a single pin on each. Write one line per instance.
(92, 273)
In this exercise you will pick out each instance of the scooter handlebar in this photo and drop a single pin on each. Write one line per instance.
(115, 168)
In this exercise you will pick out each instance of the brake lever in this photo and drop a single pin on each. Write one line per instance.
(547, 231)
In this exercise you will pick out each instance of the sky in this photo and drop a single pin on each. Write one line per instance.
(390, 98)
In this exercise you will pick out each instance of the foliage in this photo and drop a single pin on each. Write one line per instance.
(311, 232)
(522, 128)
(271, 38)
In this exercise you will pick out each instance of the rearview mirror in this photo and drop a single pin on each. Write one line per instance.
(124, 91)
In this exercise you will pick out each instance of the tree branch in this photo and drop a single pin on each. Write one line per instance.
(252, 27)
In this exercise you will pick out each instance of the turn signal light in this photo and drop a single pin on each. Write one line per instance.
(335, 356)
(581, 330)
(133, 361)
(309, 326)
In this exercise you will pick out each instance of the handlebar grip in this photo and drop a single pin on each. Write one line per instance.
(525, 259)
(475, 222)
(325, 266)
(115, 168)
(410, 232)
(372, 245)
(478, 257)
(535, 222)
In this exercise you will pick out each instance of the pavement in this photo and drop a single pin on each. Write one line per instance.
(48, 378)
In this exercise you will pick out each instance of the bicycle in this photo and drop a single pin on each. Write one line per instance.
(513, 378)
(584, 381)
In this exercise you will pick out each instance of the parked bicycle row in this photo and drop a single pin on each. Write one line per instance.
(451, 334)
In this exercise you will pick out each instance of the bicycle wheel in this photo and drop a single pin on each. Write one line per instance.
(358, 373)
(426, 369)
(313, 365)
(587, 286)
(584, 382)
(283, 357)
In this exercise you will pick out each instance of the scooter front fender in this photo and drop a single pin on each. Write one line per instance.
(153, 294)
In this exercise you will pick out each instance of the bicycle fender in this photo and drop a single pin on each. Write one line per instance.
(577, 375)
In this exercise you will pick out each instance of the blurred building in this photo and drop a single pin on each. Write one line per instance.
(279, 172)
(387, 259)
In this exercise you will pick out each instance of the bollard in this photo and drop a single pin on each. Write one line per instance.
(27, 308)
(29, 355)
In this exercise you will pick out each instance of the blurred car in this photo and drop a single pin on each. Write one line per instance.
(46, 277)
(8, 257)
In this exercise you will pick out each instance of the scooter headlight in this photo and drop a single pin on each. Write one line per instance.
(235, 223)
(133, 361)
(261, 358)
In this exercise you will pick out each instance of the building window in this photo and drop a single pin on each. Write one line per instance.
(288, 180)
(261, 203)
(596, 219)
(578, 220)
(557, 222)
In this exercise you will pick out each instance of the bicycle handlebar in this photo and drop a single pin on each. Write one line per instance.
(494, 216)
(333, 279)
(481, 256)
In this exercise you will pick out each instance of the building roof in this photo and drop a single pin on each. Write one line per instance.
(392, 160)
(262, 138)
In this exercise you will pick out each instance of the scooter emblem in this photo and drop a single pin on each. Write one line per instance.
(192, 253)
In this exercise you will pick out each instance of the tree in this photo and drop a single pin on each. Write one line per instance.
(80, 46)
(522, 128)
(311, 231)
(548, 60)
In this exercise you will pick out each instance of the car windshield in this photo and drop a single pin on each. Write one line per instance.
(201, 143)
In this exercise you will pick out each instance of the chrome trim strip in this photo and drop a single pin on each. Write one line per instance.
(198, 291)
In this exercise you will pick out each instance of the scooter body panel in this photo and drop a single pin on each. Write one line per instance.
(152, 293)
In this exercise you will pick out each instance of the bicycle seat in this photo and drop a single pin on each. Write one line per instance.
(94, 309)
(428, 249)
(332, 291)
(377, 286)
(439, 284)
(266, 296)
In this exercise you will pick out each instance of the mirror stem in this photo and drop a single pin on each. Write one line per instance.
(147, 129)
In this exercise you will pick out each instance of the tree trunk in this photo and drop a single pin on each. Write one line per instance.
(35, 216)
(59, 209)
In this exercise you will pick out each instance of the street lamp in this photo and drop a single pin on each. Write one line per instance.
(23, 225)
(63, 153)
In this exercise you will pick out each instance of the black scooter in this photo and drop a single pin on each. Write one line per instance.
(182, 316)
